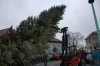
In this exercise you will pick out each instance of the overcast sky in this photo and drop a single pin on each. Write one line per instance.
(78, 15)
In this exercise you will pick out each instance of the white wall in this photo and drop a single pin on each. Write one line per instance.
(52, 45)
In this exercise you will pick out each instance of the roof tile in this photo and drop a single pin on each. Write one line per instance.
(55, 40)
(90, 35)
(3, 31)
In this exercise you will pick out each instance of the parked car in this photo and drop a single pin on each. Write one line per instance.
(39, 56)
(90, 59)
(50, 56)
(56, 56)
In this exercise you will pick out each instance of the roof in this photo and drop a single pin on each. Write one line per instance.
(90, 35)
(3, 31)
(55, 40)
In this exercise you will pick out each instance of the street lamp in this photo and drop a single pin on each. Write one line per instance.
(95, 18)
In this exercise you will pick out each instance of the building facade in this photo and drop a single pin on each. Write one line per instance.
(55, 46)
(92, 40)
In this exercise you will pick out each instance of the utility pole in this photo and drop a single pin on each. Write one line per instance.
(96, 21)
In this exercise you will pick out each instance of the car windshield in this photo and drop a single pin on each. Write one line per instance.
(38, 55)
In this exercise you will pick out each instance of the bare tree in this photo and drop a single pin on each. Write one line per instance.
(75, 38)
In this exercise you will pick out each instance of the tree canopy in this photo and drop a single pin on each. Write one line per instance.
(75, 38)
(30, 37)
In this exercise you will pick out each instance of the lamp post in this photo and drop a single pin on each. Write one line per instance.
(95, 18)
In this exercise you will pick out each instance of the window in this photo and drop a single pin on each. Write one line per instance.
(48, 44)
(86, 41)
(49, 51)
(96, 43)
(95, 34)
(54, 45)
(89, 41)
(59, 50)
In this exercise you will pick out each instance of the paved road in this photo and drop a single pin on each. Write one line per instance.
(90, 65)
(55, 63)
(51, 63)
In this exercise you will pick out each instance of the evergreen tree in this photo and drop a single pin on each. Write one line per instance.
(30, 37)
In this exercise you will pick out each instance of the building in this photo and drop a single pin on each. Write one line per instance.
(92, 40)
(55, 46)
(3, 31)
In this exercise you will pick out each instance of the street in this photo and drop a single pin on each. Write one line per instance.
(50, 63)
(55, 63)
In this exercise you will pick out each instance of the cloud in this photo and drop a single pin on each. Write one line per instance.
(78, 15)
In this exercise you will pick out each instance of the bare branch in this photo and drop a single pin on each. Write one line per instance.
(75, 38)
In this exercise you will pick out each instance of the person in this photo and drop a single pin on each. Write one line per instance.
(88, 57)
(72, 53)
(99, 56)
(96, 56)
(83, 57)
(79, 56)
(45, 58)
